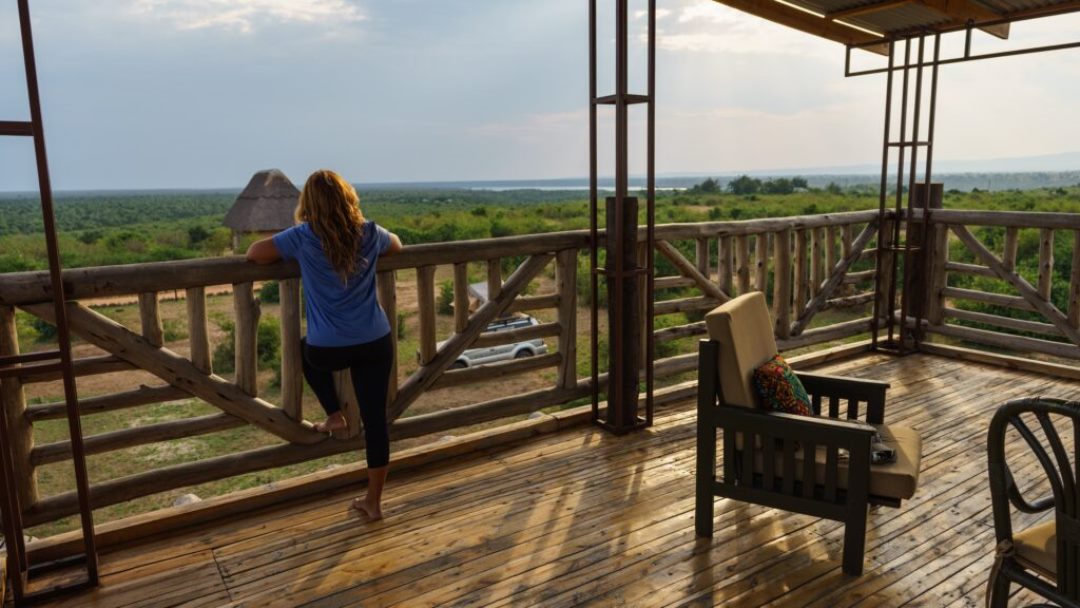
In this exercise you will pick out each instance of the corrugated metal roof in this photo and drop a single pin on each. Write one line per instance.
(864, 21)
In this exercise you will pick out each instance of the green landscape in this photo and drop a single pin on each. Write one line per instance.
(122, 228)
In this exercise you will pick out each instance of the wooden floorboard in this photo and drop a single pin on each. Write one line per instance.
(580, 517)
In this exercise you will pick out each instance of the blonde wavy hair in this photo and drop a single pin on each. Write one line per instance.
(331, 206)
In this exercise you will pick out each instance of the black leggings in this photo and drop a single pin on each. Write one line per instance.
(369, 365)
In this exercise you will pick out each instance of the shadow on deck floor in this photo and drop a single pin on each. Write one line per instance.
(583, 518)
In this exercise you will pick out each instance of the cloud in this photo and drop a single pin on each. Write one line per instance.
(661, 13)
(245, 16)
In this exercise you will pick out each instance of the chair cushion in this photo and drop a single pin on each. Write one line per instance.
(1036, 548)
(779, 389)
(744, 330)
(894, 480)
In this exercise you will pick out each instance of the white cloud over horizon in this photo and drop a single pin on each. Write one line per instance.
(245, 15)
(201, 93)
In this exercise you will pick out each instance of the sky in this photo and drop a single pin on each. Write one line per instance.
(203, 93)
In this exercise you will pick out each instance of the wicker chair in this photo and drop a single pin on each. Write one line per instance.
(817, 465)
(1046, 557)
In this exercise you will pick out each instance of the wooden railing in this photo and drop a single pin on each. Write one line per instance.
(1013, 312)
(806, 265)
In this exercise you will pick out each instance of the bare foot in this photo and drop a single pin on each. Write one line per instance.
(373, 513)
(335, 422)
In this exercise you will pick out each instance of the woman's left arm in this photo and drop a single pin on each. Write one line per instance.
(263, 252)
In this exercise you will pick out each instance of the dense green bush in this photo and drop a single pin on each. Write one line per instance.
(267, 346)
(445, 303)
(270, 292)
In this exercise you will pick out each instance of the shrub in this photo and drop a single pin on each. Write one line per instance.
(400, 326)
(445, 305)
(267, 346)
(270, 292)
(46, 332)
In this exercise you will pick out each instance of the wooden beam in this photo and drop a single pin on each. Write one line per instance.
(837, 278)
(807, 22)
(292, 374)
(690, 271)
(964, 11)
(855, 11)
(178, 371)
(1029, 293)
(424, 377)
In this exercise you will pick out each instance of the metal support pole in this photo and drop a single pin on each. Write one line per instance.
(624, 278)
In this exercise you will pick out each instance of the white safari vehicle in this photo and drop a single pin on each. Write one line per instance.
(502, 352)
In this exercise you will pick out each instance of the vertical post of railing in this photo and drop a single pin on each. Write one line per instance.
(919, 277)
(246, 308)
(461, 297)
(425, 299)
(198, 331)
(1046, 262)
(292, 371)
(939, 276)
(847, 237)
(802, 272)
(701, 250)
(761, 262)
(387, 288)
(566, 281)
(817, 263)
(1074, 283)
(782, 282)
(742, 262)
(150, 317)
(494, 278)
(723, 264)
(1008, 254)
(13, 403)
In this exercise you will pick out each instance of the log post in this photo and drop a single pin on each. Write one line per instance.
(349, 406)
(817, 260)
(830, 249)
(461, 296)
(919, 277)
(150, 316)
(13, 406)
(494, 278)
(782, 282)
(624, 312)
(246, 308)
(884, 270)
(1046, 262)
(1074, 283)
(566, 281)
(847, 236)
(425, 299)
(292, 370)
(647, 323)
(939, 276)
(702, 251)
(742, 262)
(802, 270)
(761, 262)
(723, 266)
(387, 286)
(198, 330)
(1008, 254)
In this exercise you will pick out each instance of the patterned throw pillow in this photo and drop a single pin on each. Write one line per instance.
(780, 389)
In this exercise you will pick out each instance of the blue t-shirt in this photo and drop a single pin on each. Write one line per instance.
(338, 314)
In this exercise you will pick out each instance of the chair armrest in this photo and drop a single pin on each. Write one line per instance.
(821, 387)
(820, 430)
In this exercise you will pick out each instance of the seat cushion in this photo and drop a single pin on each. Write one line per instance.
(1036, 548)
(778, 388)
(744, 330)
(897, 480)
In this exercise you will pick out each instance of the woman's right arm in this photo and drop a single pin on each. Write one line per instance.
(395, 245)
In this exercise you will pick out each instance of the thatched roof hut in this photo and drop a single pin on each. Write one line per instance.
(267, 204)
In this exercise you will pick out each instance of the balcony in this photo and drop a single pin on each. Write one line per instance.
(515, 499)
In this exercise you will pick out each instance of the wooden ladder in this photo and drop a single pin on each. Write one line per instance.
(20, 572)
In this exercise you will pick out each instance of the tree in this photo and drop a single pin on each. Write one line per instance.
(744, 184)
(710, 185)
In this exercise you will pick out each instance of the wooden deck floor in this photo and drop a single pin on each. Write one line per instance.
(583, 518)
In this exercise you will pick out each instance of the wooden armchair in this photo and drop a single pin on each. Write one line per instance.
(817, 465)
(1045, 557)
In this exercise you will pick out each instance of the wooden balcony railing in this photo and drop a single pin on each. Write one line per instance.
(805, 264)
